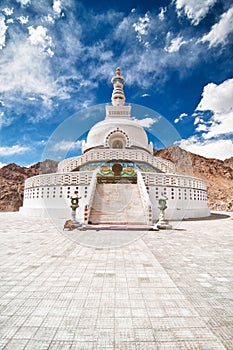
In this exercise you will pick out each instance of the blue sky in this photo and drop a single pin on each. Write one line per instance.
(57, 58)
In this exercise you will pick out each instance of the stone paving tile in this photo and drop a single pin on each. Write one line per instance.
(184, 345)
(65, 334)
(163, 291)
(69, 322)
(85, 334)
(45, 334)
(104, 323)
(15, 320)
(8, 332)
(83, 345)
(144, 334)
(51, 321)
(125, 345)
(35, 344)
(60, 345)
(25, 332)
(16, 344)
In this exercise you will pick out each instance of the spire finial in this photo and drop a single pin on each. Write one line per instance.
(118, 96)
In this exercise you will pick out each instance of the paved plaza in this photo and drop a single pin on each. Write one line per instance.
(152, 290)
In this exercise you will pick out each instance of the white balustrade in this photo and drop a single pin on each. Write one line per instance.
(145, 198)
(90, 196)
(85, 178)
(59, 179)
(172, 180)
(131, 155)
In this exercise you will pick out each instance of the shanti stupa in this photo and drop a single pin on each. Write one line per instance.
(117, 177)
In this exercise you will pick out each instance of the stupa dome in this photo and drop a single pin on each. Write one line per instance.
(118, 130)
(117, 133)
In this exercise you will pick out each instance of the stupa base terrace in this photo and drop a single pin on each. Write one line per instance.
(109, 199)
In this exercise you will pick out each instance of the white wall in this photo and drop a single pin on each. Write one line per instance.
(187, 196)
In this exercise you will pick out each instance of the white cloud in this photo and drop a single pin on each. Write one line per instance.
(5, 120)
(221, 125)
(145, 95)
(197, 119)
(123, 29)
(145, 66)
(195, 10)
(12, 150)
(8, 11)
(50, 52)
(25, 69)
(146, 122)
(68, 145)
(220, 149)
(181, 117)
(141, 27)
(1, 119)
(220, 31)
(3, 29)
(175, 44)
(38, 36)
(201, 127)
(212, 142)
(23, 2)
(2, 164)
(219, 100)
(161, 15)
(57, 6)
(48, 18)
(23, 20)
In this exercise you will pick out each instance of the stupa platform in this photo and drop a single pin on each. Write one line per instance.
(160, 290)
(116, 227)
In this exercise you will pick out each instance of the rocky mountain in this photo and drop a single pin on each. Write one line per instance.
(229, 162)
(12, 179)
(217, 174)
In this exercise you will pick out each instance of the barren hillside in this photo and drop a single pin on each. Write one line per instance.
(217, 174)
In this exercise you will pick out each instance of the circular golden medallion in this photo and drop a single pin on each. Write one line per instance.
(117, 169)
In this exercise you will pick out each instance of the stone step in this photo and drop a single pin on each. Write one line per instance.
(120, 220)
(117, 218)
(118, 213)
(117, 203)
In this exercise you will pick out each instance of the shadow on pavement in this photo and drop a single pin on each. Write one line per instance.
(213, 216)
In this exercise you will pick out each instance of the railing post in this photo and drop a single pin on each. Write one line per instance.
(145, 198)
(90, 196)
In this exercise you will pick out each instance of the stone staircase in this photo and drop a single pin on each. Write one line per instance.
(118, 203)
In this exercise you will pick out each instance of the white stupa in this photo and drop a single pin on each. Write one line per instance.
(117, 177)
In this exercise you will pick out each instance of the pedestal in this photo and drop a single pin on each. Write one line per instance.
(163, 224)
(73, 223)
(154, 227)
